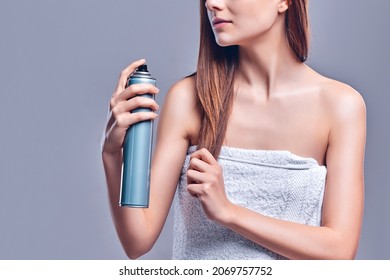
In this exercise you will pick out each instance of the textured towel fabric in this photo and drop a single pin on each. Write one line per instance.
(277, 184)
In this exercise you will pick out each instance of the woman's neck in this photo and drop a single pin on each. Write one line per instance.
(267, 62)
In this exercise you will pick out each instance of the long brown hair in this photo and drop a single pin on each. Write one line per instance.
(217, 66)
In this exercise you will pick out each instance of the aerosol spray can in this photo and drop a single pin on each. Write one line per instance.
(137, 151)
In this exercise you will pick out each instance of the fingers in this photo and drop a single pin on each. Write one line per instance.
(118, 125)
(203, 167)
(196, 177)
(203, 173)
(198, 165)
(195, 183)
(125, 73)
(136, 102)
(137, 89)
(124, 101)
(126, 120)
(131, 91)
(205, 155)
(194, 190)
(205, 182)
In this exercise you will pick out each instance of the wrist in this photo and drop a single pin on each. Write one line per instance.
(109, 153)
(228, 215)
(107, 147)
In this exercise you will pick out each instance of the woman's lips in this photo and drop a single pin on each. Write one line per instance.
(220, 22)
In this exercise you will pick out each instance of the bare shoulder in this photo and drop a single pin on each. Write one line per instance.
(181, 107)
(181, 98)
(346, 115)
(340, 101)
(183, 91)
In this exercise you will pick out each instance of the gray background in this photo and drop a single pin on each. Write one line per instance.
(59, 62)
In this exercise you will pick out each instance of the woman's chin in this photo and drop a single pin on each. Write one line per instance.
(224, 43)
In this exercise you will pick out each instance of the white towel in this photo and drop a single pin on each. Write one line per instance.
(277, 184)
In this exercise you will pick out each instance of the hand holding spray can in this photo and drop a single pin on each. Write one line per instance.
(137, 151)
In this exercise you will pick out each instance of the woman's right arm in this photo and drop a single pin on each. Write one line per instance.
(139, 228)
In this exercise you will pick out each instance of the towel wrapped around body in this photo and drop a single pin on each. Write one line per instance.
(277, 184)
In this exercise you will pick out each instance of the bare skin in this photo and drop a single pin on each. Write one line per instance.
(291, 107)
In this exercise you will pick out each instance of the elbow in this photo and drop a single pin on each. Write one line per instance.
(134, 253)
(346, 253)
(339, 254)
(347, 248)
(341, 249)
(343, 254)
(135, 246)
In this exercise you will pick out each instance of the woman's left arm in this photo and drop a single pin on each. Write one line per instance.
(338, 236)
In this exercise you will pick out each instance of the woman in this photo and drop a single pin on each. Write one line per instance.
(269, 153)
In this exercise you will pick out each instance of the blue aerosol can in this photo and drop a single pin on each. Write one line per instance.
(137, 151)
